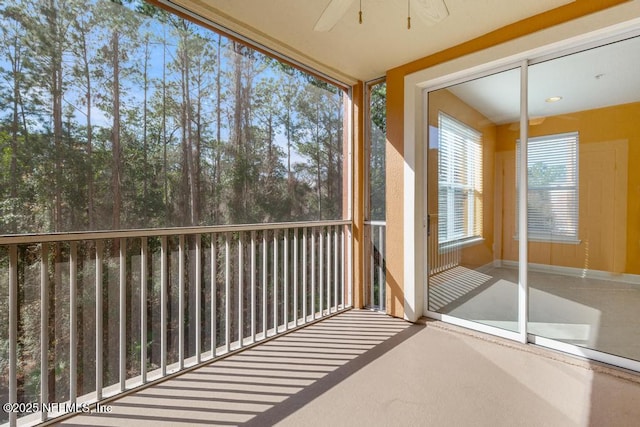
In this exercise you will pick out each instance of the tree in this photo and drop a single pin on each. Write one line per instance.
(288, 93)
(121, 26)
(321, 142)
(274, 198)
(12, 48)
(131, 125)
(82, 71)
(378, 129)
(46, 40)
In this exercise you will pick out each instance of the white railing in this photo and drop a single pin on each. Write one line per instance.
(375, 282)
(102, 313)
(440, 258)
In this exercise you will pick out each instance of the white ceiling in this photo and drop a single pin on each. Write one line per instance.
(587, 80)
(352, 51)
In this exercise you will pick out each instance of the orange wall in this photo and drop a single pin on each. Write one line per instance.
(394, 152)
(603, 125)
(395, 123)
(358, 168)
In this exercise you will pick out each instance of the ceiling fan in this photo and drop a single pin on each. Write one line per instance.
(431, 11)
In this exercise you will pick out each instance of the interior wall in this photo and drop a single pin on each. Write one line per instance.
(613, 127)
(480, 253)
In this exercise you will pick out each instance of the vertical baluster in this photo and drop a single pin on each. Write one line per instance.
(143, 309)
(335, 268)
(350, 268)
(123, 314)
(264, 283)
(449, 257)
(372, 265)
(343, 259)
(285, 274)
(430, 250)
(433, 254)
(99, 318)
(443, 260)
(13, 330)
(44, 327)
(381, 281)
(295, 276)
(438, 258)
(304, 275)
(275, 281)
(321, 270)
(214, 294)
(240, 288)
(384, 272)
(313, 274)
(227, 290)
(328, 290)
(253, 286)
(73, 321)
(198, 302)
(181, 277)
(163, 305)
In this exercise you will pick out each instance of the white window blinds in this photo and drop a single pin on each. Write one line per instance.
(553, 186)
(459, 180)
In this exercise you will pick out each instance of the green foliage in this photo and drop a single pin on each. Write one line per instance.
(198, 130)
(544, 174)
(116, 112)
(378, 132)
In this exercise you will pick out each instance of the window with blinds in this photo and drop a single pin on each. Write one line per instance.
(553, 187)
(459, 181)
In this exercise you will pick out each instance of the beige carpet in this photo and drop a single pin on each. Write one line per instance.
(364, 368)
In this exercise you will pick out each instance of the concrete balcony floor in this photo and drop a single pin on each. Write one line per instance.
(364, 368)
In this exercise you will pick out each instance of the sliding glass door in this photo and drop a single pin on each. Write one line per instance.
(465, 216)
(584, 199)
(573, 168)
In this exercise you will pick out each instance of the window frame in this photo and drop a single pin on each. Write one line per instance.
(472, 224)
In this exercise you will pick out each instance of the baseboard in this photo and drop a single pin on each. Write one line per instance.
(633, 279)
(487, 267)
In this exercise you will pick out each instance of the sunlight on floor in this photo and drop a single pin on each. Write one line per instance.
(452, 284)
(485, 299)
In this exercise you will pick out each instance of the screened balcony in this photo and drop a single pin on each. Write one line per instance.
(119, 310)
(364, 368)
(359, 367)
(197, 199)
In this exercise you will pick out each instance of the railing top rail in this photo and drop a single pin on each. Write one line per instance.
(377, 223)
(155, 232)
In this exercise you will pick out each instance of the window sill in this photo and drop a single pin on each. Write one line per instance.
(559, 240)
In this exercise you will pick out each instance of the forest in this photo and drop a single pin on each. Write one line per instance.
(118, 115)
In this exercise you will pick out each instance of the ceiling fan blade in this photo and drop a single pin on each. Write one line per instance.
(431, 11)
(332, 14)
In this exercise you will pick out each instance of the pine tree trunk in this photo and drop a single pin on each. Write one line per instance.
(217, 172)
(116, 167)
(56, 98)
